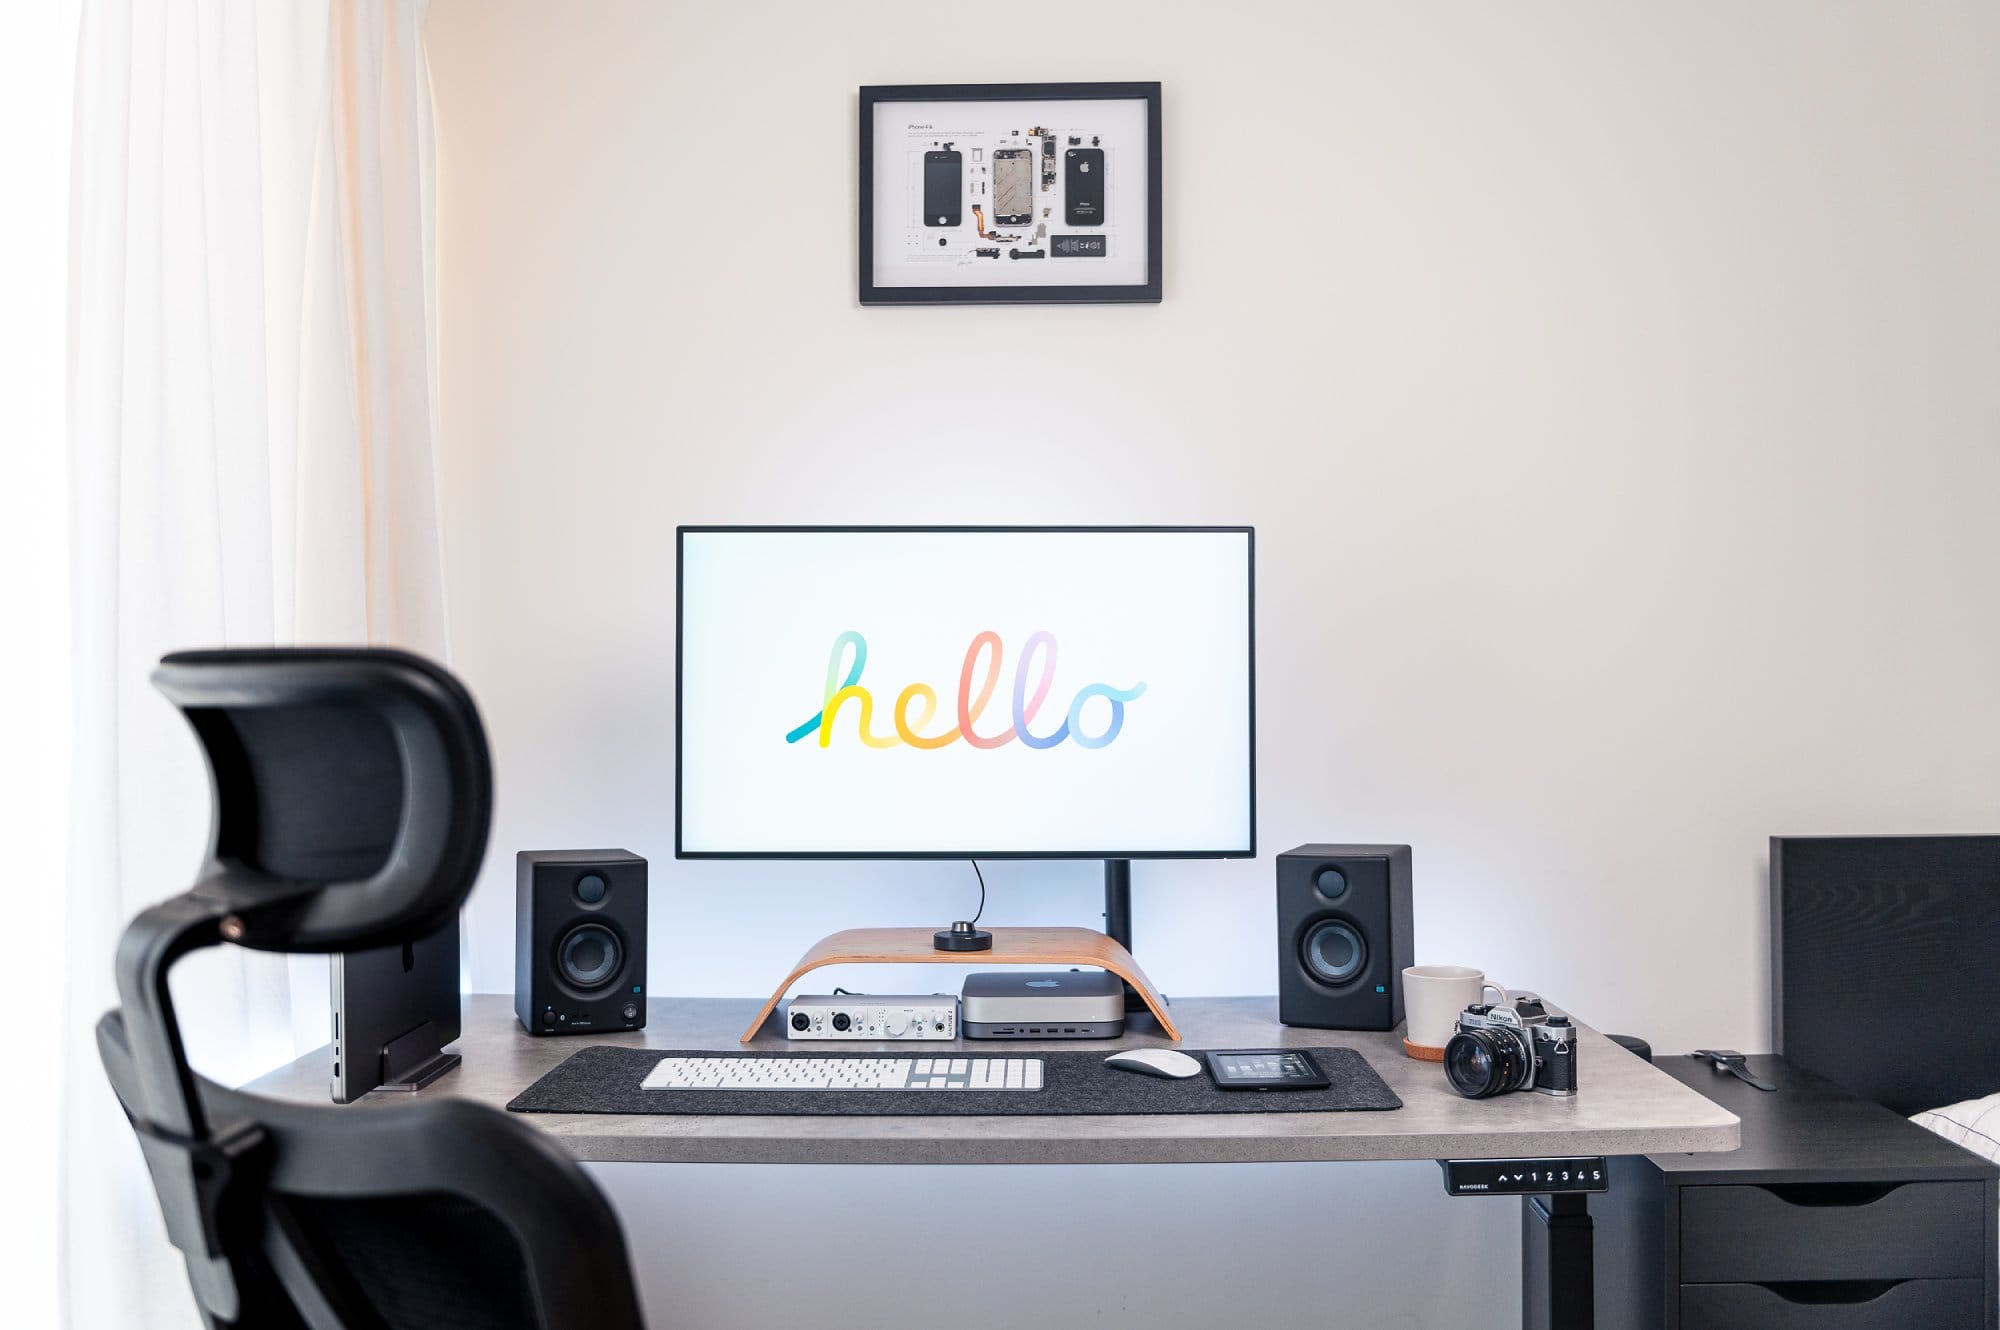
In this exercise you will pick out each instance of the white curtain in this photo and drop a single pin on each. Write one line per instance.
(252, 402)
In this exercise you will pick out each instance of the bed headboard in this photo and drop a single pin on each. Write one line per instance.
(1885, 964)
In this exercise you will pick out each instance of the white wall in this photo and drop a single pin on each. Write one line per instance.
(1119, 1245)
(1612, 387)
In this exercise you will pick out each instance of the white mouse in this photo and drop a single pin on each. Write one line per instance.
(1155, 1062)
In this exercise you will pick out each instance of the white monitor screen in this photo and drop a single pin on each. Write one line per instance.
(955, 692)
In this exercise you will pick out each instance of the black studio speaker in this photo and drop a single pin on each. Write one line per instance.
(1343, 936)
(579, 941)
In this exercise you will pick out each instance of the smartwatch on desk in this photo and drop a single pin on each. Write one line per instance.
(1733, 1062)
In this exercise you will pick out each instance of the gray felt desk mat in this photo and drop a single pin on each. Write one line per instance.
(603, 1079)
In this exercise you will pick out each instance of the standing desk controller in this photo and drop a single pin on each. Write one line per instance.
(1524, 1177)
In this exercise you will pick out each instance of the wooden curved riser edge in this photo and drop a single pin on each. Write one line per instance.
(1011, 946)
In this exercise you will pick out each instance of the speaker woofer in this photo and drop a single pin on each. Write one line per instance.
(589, 955)
(1333, 952)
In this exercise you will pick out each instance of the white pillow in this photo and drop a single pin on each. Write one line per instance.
(1974, 1124)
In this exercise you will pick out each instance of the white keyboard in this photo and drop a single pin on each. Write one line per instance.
(801, 1073)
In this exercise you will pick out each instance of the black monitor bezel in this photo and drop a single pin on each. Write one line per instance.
(1249, 533)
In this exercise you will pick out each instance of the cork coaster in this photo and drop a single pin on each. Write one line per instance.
(1423, 1053)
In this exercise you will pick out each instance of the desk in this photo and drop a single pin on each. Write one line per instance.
(1625, 1106)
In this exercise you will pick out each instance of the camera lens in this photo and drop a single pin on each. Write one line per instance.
(1480, 1063)
(1470, 1064)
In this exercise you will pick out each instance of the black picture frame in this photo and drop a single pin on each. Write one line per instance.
(1249, 849)
(1147, 292)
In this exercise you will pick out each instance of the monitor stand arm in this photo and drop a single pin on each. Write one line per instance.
(1118, 918)
(1118, 901)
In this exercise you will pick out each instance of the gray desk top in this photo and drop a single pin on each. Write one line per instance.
(1624, 1106)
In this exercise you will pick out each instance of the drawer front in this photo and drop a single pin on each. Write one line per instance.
(1919, 1230)
(1932, 1304)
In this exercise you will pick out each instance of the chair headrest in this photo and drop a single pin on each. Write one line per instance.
(352, 792)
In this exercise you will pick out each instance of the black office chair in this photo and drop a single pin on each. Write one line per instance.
(352, 795)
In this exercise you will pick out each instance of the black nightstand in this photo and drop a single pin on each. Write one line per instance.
(1836, 1214)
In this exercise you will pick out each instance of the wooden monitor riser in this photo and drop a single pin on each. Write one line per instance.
(1011, 946)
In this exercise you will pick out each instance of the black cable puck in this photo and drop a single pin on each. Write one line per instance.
(962, 936)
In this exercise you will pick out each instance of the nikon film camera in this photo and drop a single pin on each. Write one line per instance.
(1517, 1047)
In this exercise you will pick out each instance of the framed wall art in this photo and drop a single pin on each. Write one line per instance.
(989, 193)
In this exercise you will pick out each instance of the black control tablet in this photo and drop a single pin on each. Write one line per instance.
(1265, 1069)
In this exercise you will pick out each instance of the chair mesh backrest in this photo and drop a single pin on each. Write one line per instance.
(329, 820)
(423, 1262)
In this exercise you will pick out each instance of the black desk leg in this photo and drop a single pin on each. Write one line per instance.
(1556, 1270)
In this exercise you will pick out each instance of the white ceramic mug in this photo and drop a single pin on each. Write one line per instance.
(1433, 997)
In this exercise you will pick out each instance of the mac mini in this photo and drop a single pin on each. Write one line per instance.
(1050, 1004)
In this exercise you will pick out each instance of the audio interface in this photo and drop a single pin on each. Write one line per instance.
(859, 1016)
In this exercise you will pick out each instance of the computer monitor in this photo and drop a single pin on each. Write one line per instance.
(965, 692)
